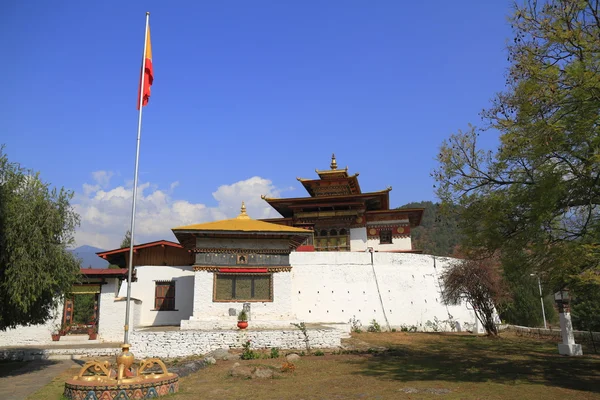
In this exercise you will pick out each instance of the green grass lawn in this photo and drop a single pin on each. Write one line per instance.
(415, 366)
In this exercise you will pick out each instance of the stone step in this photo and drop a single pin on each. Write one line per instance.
(75, 339)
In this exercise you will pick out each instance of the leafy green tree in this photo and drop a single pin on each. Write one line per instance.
(126, 240)
(83, 308)
(523, 307)
(538, 195)
(438, 233)
(37, 225)
(586, 307)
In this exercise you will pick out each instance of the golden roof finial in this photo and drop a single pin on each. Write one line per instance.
(243, 214)
(333, 162)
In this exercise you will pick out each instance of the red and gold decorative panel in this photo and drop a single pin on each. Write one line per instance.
(398, 231)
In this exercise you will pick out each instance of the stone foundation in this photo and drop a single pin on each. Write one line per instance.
(27, 354)
(184, 343)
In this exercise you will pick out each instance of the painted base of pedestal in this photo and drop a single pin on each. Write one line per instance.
(570, 349)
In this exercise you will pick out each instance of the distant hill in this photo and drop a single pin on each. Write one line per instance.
(88, 257)
(437, 234)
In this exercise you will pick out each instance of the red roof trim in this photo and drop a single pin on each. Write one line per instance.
(103, 254)
(103, 271)
(243, 270)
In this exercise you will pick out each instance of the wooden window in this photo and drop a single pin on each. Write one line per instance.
(164, 296)
(385, 237)
(240, 287)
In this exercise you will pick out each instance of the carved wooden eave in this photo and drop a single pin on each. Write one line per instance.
(216, 250)
(270, 269)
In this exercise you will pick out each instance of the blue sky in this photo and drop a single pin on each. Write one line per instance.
(247, 96)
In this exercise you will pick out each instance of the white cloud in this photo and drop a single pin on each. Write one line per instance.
(106, 212)
(102, 178)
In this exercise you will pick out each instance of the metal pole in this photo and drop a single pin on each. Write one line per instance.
(371, 250)
(135, 182)
(542, 301)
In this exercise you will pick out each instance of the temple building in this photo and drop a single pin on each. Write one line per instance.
(343, 218)
(311, 265)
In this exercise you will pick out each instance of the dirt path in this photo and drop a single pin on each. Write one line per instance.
(19, 379)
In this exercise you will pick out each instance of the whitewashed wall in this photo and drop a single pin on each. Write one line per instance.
(207, 310)
(403, 243)
(358, 239)
(33, 334)
(144, 290)
(337, 286)
(170, 344)
(112, 313)
(360, 242)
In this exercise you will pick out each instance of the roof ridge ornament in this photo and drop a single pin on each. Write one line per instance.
(333, 165)
(243, 214)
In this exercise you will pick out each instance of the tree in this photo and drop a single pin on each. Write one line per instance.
(523, 307)
(126, 240)
(538, 195)
(477, 281)
(438, 233)
(37, 224)
(586, 307)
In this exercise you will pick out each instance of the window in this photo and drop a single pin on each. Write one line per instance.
(385, 237)
(164, 296)
(238, 287)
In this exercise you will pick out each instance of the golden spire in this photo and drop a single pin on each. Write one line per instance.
(333, 162)
(243, 214)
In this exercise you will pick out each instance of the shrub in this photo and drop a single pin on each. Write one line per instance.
(355, 325)
(374, 327)
(319, 353)
(248, 353)
(274, 352)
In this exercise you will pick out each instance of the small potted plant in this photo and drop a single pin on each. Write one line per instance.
(92, 332)
(242, 320)
(56, 330)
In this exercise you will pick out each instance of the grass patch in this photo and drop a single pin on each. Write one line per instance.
(416, 366)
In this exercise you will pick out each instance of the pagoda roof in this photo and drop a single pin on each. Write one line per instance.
(332, 182)
(372, 201)
(241, 225)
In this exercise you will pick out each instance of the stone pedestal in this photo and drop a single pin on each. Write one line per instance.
(568, 347)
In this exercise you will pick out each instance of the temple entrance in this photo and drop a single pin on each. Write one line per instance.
(81, 309)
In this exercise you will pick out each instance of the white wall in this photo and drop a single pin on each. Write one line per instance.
(33, 334)
(358, 239)
(144, 290)
(112, 313)
(205, 309)
(403, 243)
(337, 286)
(169, 344)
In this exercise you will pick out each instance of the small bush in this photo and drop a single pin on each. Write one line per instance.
(319, 353)
(394, 330)
(355, 325)
(248, 353)
(274, 352)
(374, 327)
(406, 328)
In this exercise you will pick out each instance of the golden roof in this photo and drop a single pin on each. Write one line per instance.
(242, 223)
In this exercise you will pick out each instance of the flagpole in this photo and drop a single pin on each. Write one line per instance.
(135, 183)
